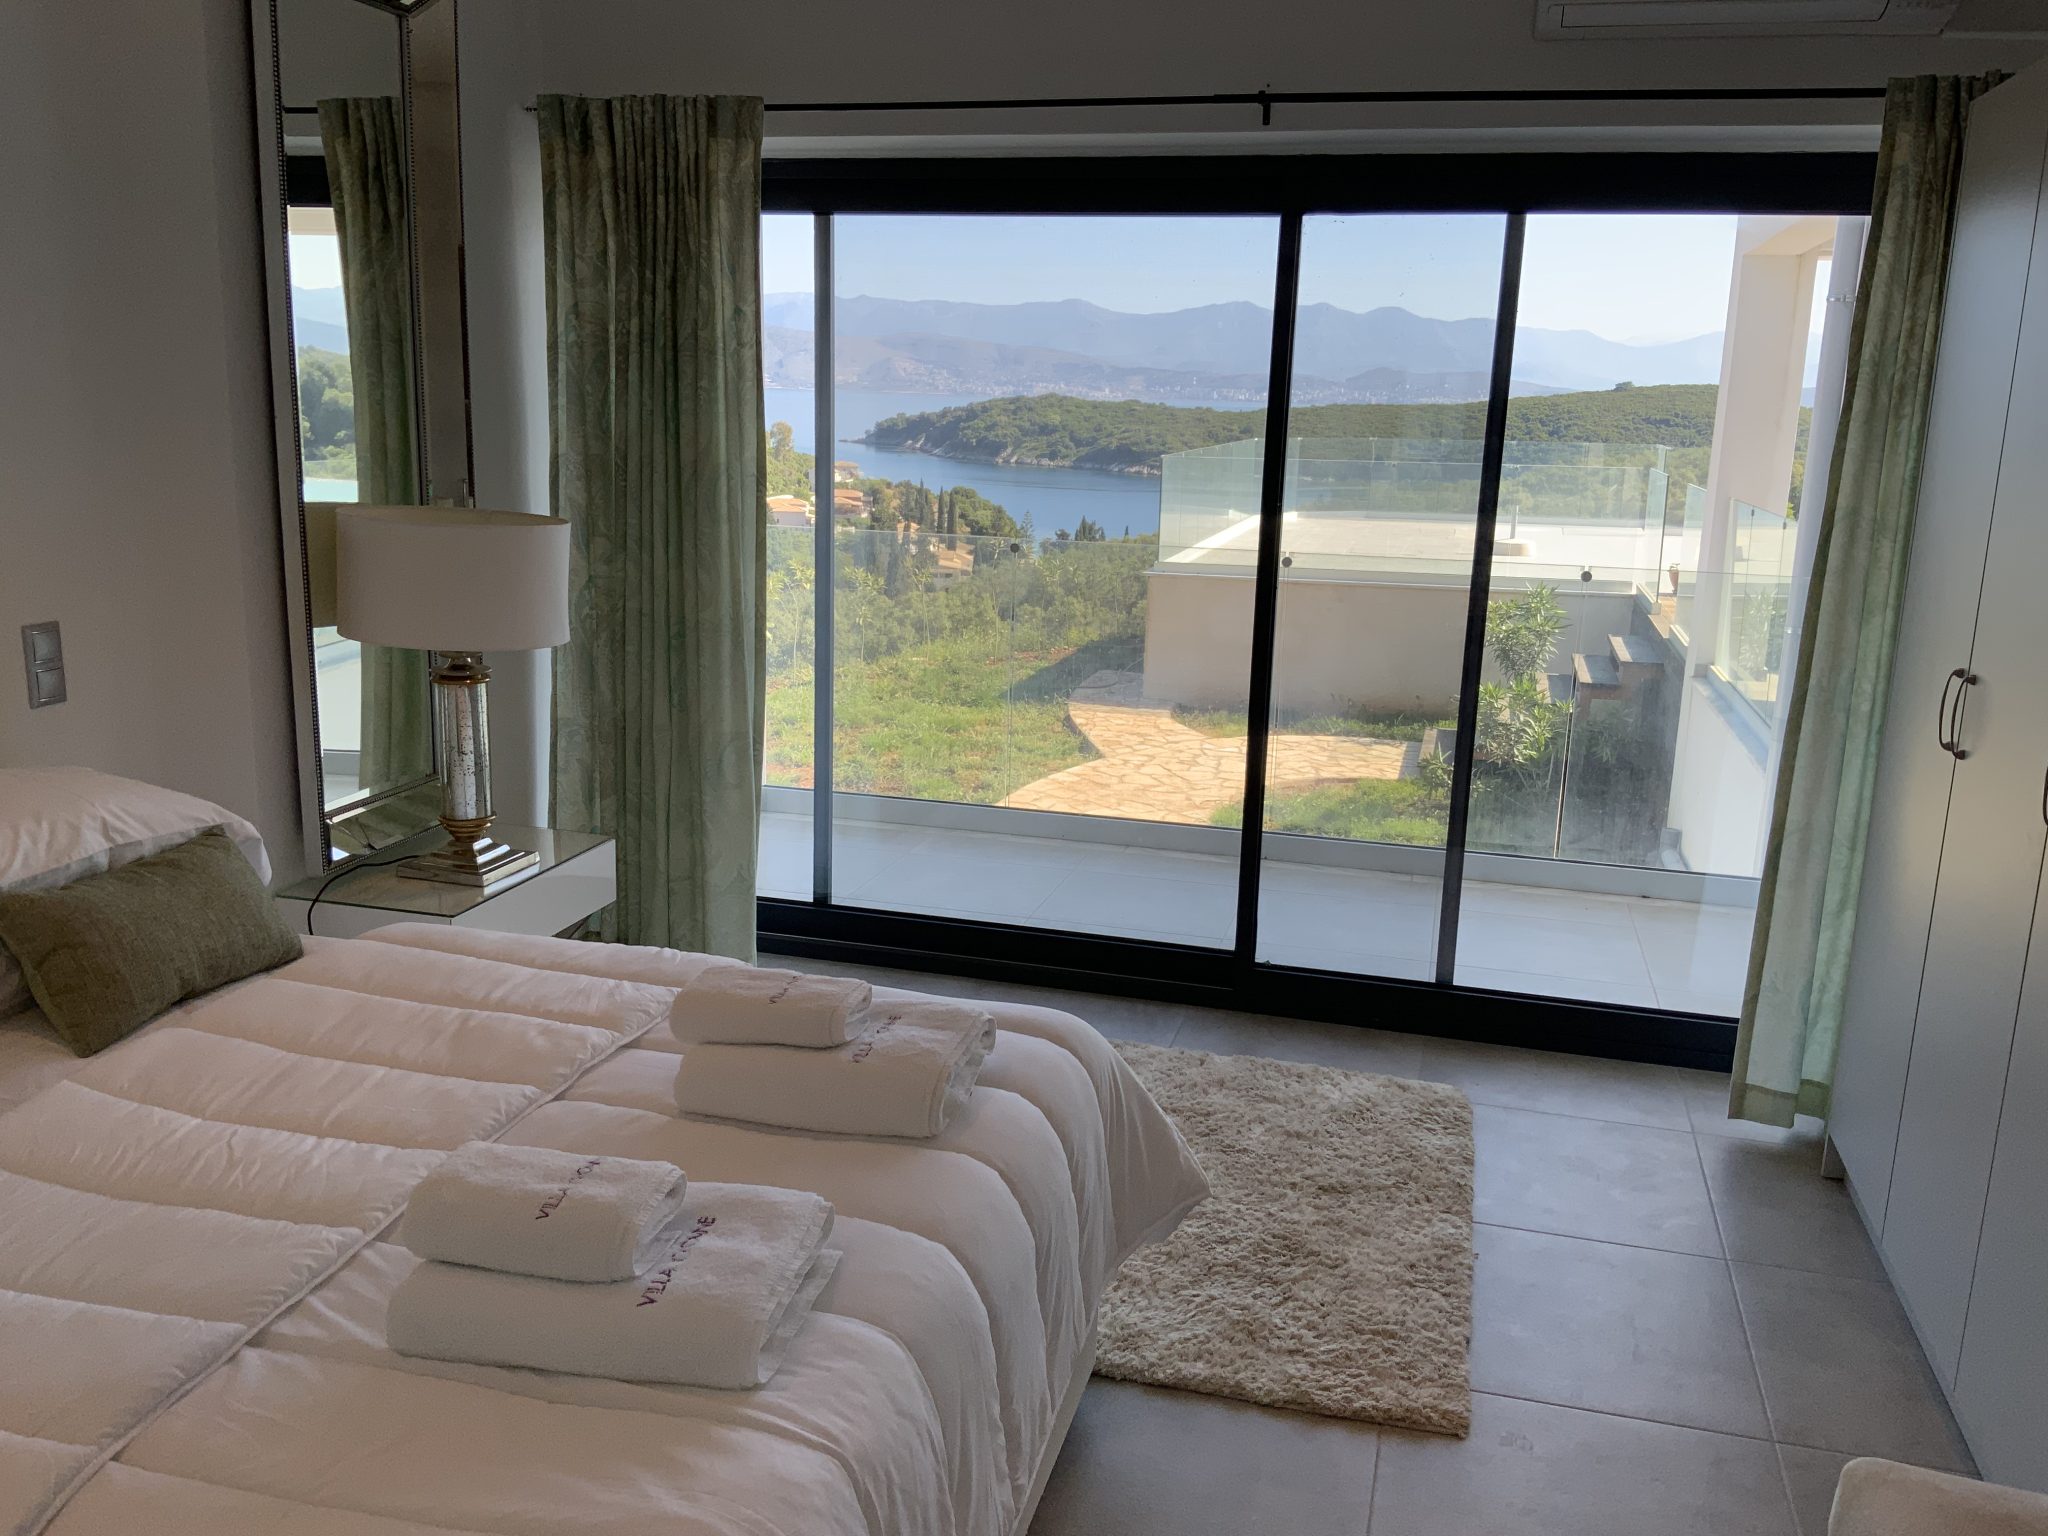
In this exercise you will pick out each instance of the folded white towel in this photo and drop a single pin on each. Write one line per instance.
(745, 1005)
(718, 1308)
(534, 1211)
(907, 1076)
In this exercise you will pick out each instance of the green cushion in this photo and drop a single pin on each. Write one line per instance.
(106, 954)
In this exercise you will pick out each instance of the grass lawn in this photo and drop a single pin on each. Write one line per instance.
(952, 721)
(1371, 810)
(1507, 817)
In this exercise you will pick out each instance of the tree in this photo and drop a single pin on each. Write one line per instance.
(1522, 632)
(789, 472)
(1434, 774)
(896, 574)
(1517, 723)
(1090, 532)
(790, 616)
(973, 513)
(327, 408)
(1517, 719)
(859, 598)
(1134, 434)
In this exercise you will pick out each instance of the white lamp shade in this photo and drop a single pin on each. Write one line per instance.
(451, 578)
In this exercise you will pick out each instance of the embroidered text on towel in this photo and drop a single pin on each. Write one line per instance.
(861, 1051)
(658, 1281)
(550, 1205)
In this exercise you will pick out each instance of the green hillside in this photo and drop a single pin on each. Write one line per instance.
(1132, 435)
(1675, 415)
(1061, 431)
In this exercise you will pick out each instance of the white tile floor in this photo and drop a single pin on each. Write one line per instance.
(1679, 1326)
(1517, 938)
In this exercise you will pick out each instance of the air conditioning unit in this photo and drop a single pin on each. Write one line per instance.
(1741, 18)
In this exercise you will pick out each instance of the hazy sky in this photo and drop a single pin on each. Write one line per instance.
(1632, 277)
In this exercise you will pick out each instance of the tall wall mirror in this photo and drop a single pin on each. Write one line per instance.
(358, 100)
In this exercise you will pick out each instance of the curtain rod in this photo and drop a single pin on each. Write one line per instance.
(1265, 101)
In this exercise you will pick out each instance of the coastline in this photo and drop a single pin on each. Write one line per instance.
(1018, 461)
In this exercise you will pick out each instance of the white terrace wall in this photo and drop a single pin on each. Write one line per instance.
(1339, 643)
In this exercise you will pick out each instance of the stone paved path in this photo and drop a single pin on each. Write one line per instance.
(1153, 768)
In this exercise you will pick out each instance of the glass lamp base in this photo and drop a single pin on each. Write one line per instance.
(479, 861)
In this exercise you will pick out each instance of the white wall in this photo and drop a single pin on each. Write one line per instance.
(1720, 797)
(1339, 645)
(337, 48)
(138, 501)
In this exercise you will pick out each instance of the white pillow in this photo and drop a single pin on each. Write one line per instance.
(57, 824)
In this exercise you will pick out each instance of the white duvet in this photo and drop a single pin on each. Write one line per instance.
(192, 1281)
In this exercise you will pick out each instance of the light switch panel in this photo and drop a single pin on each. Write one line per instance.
(42, 651)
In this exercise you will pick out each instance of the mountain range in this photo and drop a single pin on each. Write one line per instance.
(1213, 352)
(319, 318)
(1210, 352)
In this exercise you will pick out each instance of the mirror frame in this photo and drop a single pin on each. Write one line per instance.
(429, 101)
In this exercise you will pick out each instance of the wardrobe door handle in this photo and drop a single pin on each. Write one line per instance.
(1955, 715)
(1941, 710)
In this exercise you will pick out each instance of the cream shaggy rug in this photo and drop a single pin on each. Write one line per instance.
(1331, 1270)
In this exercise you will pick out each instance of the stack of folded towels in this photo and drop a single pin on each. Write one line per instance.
(606, 1266)
(814, 1053)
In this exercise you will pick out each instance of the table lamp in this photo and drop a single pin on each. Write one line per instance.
(458, 581)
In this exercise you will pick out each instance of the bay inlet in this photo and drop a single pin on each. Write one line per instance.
(1051, 499)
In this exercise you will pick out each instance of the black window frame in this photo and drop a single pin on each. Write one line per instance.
(1289, 188)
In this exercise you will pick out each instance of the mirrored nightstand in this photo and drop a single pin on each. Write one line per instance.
(577, 875)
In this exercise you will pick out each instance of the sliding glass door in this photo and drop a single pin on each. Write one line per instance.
(1379, 516)
(1455, 665)
(790, 762)
(1014, 735)
(1645, 583)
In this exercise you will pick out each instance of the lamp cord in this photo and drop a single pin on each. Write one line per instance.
(348, 869)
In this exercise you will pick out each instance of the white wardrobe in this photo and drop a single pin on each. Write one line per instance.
(1941, 1103)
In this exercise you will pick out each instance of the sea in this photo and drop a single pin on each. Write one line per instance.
(1051, 498)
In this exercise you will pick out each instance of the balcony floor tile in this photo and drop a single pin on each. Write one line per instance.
(1536, 939)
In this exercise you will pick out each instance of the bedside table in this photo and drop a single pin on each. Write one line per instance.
(577, 875)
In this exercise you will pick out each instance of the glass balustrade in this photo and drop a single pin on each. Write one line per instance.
(1759, 592)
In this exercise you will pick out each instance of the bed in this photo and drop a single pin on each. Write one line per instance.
(195, 1266)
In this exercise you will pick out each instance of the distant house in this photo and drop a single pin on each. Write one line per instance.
(844, 470)
(953, 564)
(849, 503)
(789, 512)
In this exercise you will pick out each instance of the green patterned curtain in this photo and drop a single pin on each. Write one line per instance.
(653, 216)
(1820, 821)
(363, 141)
